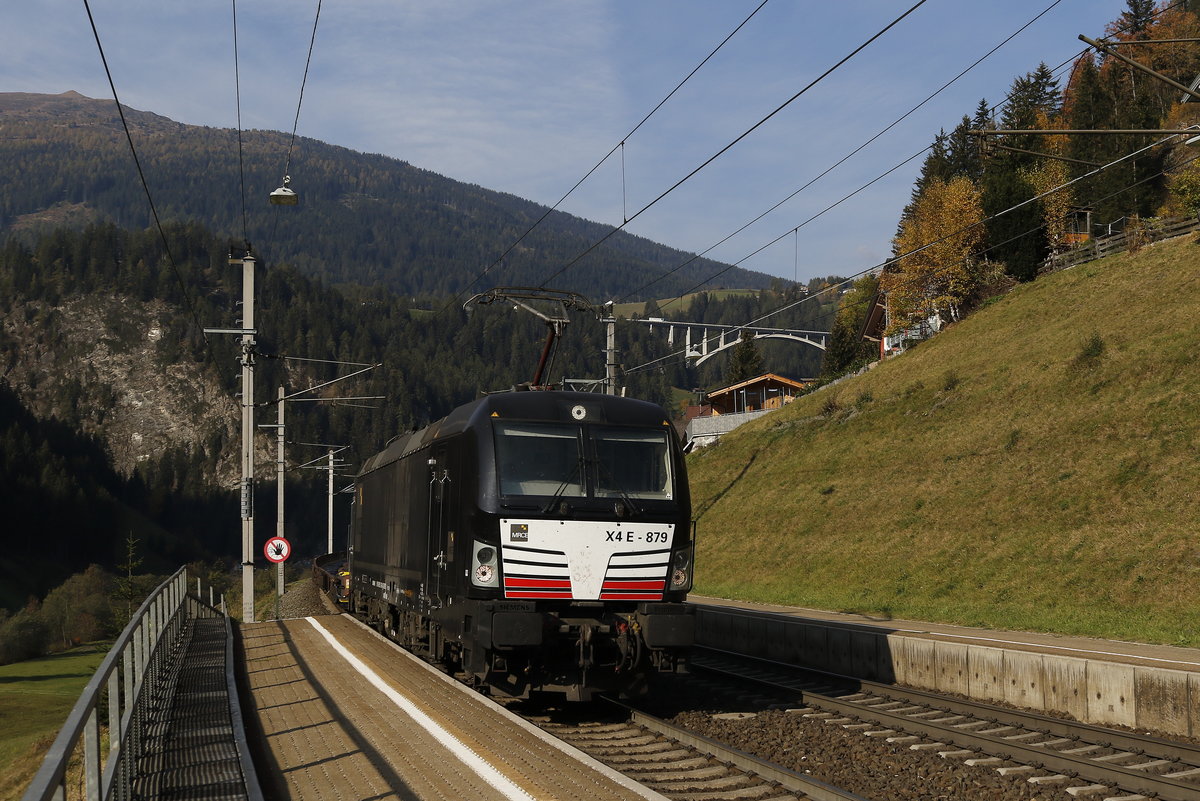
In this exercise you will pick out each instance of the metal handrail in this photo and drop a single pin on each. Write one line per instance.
(141, 653)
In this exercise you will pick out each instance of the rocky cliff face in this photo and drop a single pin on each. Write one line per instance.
(101, 364)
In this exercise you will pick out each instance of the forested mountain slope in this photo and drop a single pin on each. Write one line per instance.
(366, 219)
(101, 345)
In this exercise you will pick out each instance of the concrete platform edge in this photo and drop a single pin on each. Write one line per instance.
(1094, 690)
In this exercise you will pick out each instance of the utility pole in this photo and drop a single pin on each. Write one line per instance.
(247, 263)
(280, 440)
(610, 350)
(279, 494)
(329, 546)
(247, 332)
(331, 465)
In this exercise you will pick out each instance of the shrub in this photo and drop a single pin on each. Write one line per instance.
(24, 635)
(1091, 351)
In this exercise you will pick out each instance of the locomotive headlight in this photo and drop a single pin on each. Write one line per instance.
(484, 570)
(681, 570)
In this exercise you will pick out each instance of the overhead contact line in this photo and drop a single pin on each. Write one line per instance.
(237, 91)
(883, 265)
(619, 146)
(795, 230)
(727, 147)
(187, 297)
(789, 197)
(840, 162)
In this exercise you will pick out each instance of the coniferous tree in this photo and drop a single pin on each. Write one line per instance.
(1014, 233)
(983, 116)
(746, 362)
(936, 167)
(846, 345)
(963, 152)
(1135, 21)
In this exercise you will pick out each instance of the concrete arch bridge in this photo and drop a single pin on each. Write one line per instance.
(712, 338)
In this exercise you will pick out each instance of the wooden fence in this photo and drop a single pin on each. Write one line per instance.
(1147, 231)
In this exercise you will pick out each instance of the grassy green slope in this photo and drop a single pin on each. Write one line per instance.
(1033, 467)
(35, 698)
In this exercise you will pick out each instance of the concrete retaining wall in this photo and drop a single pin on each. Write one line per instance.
(1092, 691)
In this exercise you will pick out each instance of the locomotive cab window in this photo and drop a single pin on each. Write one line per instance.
(557, 460)
(633, 463)
(539, 459)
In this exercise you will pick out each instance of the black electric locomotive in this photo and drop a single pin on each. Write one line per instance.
(533, 541)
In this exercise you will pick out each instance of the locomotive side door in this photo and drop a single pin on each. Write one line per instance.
(439, 539)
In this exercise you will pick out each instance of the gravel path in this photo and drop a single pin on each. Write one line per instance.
(303, 599)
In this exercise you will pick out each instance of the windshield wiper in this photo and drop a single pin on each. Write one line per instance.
(563, 487)
(633, 507)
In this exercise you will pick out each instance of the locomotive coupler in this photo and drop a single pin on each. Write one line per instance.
(585, 646)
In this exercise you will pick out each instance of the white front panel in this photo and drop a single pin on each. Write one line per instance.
(585, 559)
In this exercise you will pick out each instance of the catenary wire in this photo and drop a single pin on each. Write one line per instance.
(237, 91)
(845, 158)
(883, 265)
(1056, 71)
(303, 81)
(959, 232)
(620, 145)
(1010, 240)
(724, 270)
(739, 138)
(287, 165)
(187, 297)
(692, 258)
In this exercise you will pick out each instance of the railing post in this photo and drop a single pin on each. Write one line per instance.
(137, 657)
(91, 757)
(114, 714)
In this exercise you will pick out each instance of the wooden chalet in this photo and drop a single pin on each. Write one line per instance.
(767, 391)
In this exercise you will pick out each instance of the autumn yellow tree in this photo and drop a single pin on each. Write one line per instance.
(1046, 175)
(940, 270)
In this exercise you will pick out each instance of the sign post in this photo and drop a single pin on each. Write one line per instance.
(277, 550)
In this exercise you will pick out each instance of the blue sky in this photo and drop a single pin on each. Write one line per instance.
(526, 97)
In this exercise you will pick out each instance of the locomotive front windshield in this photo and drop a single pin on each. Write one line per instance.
(583, 461)
(632, 462)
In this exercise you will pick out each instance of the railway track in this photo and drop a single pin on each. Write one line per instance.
(1082, 759)
(682, 765)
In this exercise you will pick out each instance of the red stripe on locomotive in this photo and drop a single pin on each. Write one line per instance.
(564, 584)
(616, 585)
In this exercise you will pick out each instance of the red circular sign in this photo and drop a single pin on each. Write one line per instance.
(277, 549)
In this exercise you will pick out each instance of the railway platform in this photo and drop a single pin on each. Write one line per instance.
(1106, 682)
(342, 713)
(1131, 653)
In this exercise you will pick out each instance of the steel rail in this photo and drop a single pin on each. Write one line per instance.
(1126, 778)
(788, 779)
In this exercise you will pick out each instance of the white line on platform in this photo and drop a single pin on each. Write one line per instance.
(486, 770)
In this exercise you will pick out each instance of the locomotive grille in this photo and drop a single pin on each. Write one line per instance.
(638, 576)
(535, 573)
(628, 576)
